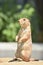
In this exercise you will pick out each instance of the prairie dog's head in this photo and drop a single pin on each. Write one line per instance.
(24, 22)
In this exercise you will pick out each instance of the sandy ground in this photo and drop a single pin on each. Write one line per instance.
(4, 61)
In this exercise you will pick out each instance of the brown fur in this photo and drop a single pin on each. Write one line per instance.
(23, 38)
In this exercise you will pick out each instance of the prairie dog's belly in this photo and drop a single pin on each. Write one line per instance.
(25, 44)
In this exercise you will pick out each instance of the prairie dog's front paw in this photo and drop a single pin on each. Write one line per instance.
(16, 38)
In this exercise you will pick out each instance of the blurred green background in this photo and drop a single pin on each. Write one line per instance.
(12, 10)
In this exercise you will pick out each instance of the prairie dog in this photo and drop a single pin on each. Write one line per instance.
(24, 45)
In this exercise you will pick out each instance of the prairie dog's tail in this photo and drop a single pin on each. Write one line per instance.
(15, 59)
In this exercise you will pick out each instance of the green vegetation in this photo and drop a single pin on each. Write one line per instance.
(10, 13)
